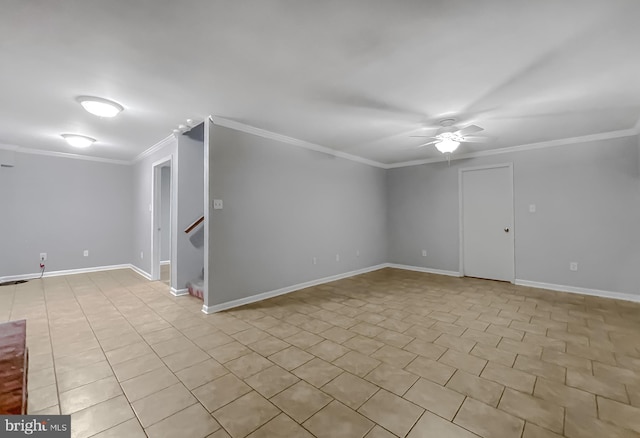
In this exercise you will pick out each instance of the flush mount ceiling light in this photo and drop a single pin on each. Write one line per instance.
(100, 107)
(78, 141)
(447, 145)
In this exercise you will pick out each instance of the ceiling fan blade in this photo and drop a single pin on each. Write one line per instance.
(422, 136)
(471, 129)
(475, 139)
(427, 144)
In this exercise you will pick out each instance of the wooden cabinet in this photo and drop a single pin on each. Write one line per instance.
(14, 363)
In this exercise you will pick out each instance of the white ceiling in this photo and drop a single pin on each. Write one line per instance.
(358, 76)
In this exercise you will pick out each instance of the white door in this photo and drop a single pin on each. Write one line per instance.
(487, 222)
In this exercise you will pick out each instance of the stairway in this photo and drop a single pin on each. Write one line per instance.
(196, 286)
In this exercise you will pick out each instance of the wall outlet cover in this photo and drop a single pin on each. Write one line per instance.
(217, 204)
(43, 256)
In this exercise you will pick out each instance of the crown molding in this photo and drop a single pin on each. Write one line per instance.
(31, 151)
(156, 147)
(525, 147)
(232, 124)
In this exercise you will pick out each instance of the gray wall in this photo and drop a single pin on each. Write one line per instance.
(284, 205)
(141, 223)
(588, 210)
(165, 214)
(190, 205)
(63, 206)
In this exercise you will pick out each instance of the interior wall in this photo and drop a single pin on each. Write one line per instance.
(140, 255)
(190, 205)
(283, 206)
(165, 213)
(63, 206)
(588, 211)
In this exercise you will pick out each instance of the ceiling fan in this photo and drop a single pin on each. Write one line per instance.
(448, 137)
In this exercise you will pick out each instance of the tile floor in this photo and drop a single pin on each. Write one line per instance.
(386, 354)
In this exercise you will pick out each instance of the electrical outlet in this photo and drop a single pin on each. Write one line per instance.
(217, 204)
(337, 257)
(424, 253)
(86, 253)
(532, 208)
(314, 260)
(43, 256)
(573, 266)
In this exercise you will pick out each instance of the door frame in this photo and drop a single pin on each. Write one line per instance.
(156, 211)
(461, 211)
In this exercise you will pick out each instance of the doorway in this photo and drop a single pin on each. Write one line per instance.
(161, 221)
(487, 222)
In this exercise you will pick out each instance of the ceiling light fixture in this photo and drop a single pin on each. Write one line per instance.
(100, 107)
(78, 141)
(447, 145)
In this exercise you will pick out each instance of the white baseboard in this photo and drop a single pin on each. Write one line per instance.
(580, 290)
(139, 271)
(179, 292)
(36, 275)
(288, 289)
(165, 262)
(421, 269)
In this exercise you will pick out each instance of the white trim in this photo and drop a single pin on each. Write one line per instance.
(525, 147)
(179, 292)
(165, 262)
(285, 290)
(509, 166)
(156, 183)
(422, 269)
(31, 151)
(140, 272)
(580, 290)
(36, 275)
(292, 141)
(206, 208)
(156, 147)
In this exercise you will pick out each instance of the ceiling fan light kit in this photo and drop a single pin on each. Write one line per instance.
(448, 137)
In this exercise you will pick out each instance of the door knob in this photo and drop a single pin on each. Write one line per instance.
(506, 230)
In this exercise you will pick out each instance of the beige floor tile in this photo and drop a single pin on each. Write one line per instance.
(426, 349)
(317, 372)
(220, 433)
(533, 431)
(492, 354)
(138, 366)
(566, 396)
(430, 369)
(148, 383)
(301, 401)
(290, 358)
(221, 391)
(51, 410)
(520, 348)
(505, 332)
(423, 333)
(486, 421)
(578, 425)
(117, 342)
(89, 395)
(620, 414)
(185, 358)
(250, 336)
(621, 375)
(209, 342)
(482, 337)
(481, 389)
(432, 426)
(511, 377)
(391, 412)
(379, 432)
(634, 395)
(337, 334)
(457, 343)
(268, 346)
(357, 363)
(328, 350)
(271, 381)
(79, 360)
(192, 422)
(541, 412)
(350, 390)
(391, 378)
(100, 417)
(463, 361)
(161, 404)
(228, 352)
(435, 398)
(363, 344)
(201, 373)
(304, 340)
(540, 368)
(245, 414)
(338, 421)
(566, 360)
(43, 397)
(248, 365)
(281, 427)
(128, 352)
(394, 356)
(129, 429)
(394, 338)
